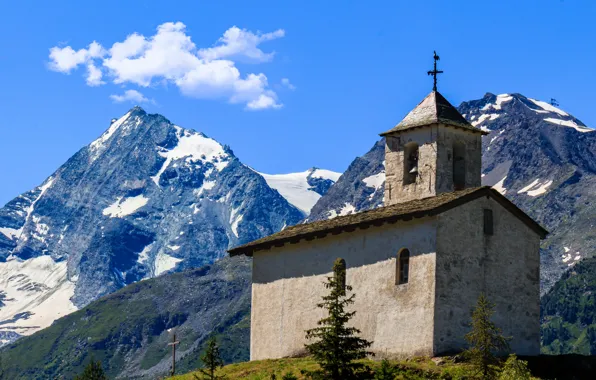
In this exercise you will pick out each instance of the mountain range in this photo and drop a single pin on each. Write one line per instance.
(149, 200)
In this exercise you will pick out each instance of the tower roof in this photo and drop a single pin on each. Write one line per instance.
(434, 109)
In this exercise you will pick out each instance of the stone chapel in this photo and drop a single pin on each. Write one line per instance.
(418, 264)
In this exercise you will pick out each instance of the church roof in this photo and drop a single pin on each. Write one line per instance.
(433, 109)
(389, 214)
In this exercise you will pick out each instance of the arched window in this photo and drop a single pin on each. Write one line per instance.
(410, 163)
(459, 166)
(402, 272)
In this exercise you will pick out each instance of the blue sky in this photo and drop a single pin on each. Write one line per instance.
(352, 69)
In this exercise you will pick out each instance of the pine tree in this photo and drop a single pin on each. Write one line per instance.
(211, 360)
(337, 347)
(485, 340)
(93, 371)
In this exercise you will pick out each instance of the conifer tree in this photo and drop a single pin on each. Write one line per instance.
(93, 371)
(211, 361)
(485, 339)
(337, 347)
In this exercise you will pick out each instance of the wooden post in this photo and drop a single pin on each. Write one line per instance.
(173, 344)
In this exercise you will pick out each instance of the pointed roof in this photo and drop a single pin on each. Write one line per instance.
(433, 109)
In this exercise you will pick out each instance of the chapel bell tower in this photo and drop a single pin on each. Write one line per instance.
(433, 150)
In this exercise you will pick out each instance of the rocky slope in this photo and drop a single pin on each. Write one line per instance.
(537, 155)
(145, 198)
(129, 329)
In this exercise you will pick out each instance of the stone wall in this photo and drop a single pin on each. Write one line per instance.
(505, 266)
(447, 136)
(288, 283)
(395, 190)
(435, 162)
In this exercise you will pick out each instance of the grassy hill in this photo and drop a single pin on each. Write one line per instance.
(416, 369)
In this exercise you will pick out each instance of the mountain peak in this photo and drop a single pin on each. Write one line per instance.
(137, 108)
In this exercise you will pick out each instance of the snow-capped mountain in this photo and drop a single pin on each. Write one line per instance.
(302, 189)
(145, 198)
(537, 155)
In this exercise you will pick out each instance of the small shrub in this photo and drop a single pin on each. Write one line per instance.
(211, 361)
(515, 369)
(93, 371)
(386, 371)
(289, 376)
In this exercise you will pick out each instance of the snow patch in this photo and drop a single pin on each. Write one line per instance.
(375, 181)
(38, 286)
(347, 209)
(548, 107)
(126, 206)
(235, 220)
(481, 119)
(164, 263)
(536, 188)
(96, 145)
(207, 185)
(499, 186)
(11, 233)
(295, 189)
(144, 255)
(326, 174)
(502, 98)
(193, 146)
(570, 124)
(496, 177)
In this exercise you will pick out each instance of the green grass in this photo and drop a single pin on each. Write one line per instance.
(415, 369)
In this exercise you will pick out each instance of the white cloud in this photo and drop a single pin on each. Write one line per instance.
(170, 56)
(66, 59)
(129, 96)
(263, 102)
(94, 75)
(286, 83)
(241, 43)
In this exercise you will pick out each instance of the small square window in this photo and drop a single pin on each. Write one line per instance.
(488, 221)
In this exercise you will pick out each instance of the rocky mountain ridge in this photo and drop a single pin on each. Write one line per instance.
(147, 197)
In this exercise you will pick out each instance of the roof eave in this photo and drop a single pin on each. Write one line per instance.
(399, 129)
(249, 248)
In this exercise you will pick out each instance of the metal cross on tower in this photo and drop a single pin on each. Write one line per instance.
(435, 71)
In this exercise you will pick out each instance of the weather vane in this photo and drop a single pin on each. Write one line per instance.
(435, 71)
